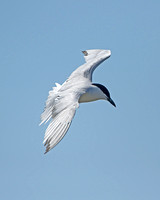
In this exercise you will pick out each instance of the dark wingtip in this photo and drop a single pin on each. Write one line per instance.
(47, 149)
(85, 53)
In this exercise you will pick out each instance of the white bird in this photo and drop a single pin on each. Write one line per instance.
(64, 99)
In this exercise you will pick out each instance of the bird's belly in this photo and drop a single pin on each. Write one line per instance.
(92, 94)
(88, 97)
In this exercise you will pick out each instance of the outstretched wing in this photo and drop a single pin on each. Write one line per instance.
(50, 103)
(93, 58)
(62, 111)
(58, 127)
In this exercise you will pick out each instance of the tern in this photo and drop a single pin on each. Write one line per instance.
(63, 100)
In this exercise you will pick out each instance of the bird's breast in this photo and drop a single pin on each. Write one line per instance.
(92, 94)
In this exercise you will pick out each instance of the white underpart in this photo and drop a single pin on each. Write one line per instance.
(93, 93)
(63, 100)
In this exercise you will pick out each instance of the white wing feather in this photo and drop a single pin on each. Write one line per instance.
(93, 58)
(61, 107)
(98, 54)
(58, 127)
(47, 113)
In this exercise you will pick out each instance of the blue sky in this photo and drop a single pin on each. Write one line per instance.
(108, 153)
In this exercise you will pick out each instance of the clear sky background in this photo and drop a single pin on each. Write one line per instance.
(108, 153)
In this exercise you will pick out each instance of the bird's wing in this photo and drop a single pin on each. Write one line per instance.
(51, 101)
(93, 58)
(63, 113)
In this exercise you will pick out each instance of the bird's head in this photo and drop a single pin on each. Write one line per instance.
(106, 93)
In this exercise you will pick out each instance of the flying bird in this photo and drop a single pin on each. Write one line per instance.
(63, 100)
